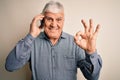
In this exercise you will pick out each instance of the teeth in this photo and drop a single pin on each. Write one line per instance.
(53, 28)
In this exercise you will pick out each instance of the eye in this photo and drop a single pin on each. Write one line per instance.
(59, 20)
(49, 19)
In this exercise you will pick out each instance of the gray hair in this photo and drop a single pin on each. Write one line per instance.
(53, 6)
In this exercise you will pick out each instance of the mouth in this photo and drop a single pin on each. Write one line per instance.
(53, 29)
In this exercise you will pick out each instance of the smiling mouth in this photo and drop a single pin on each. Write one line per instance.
(53, 29)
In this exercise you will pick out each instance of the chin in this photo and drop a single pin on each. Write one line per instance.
(54, 36)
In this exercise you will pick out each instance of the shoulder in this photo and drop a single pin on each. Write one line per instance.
(67, 35)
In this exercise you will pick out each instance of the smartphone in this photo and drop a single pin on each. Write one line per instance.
(42, 23)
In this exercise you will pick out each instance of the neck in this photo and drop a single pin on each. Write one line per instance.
(54, 41)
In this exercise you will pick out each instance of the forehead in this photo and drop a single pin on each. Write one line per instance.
(54, 15)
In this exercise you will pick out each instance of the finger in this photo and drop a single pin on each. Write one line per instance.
(91, 26)
(77, 36)
(37, 18)
(80, 35)
(85, 25)
(97, 29)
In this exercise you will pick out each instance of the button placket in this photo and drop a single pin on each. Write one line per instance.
(53, 61)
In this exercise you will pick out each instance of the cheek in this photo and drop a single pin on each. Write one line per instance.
(47, 24)
(62, 24)
(46, 29)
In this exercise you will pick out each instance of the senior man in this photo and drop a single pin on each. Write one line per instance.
(54, 54)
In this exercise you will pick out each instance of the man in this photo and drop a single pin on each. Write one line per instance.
(54, 54)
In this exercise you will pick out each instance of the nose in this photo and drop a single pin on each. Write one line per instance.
(54, 23)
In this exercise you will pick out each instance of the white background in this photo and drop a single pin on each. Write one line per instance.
(16, 16)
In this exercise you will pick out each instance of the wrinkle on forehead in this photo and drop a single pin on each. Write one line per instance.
(58, 15)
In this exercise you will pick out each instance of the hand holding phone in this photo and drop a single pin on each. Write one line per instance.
(34, 28)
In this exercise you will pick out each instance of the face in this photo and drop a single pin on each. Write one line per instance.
(53, 24)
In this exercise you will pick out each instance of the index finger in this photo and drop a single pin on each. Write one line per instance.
(38, 17)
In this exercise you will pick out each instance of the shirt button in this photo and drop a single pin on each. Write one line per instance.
(92, 56)
(53, 55)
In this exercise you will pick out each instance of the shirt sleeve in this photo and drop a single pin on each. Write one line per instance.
(91, 66)
(20, 55)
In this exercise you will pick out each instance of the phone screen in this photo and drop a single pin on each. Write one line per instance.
(42, 23)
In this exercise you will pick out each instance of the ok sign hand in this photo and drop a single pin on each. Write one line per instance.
(87, 39)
